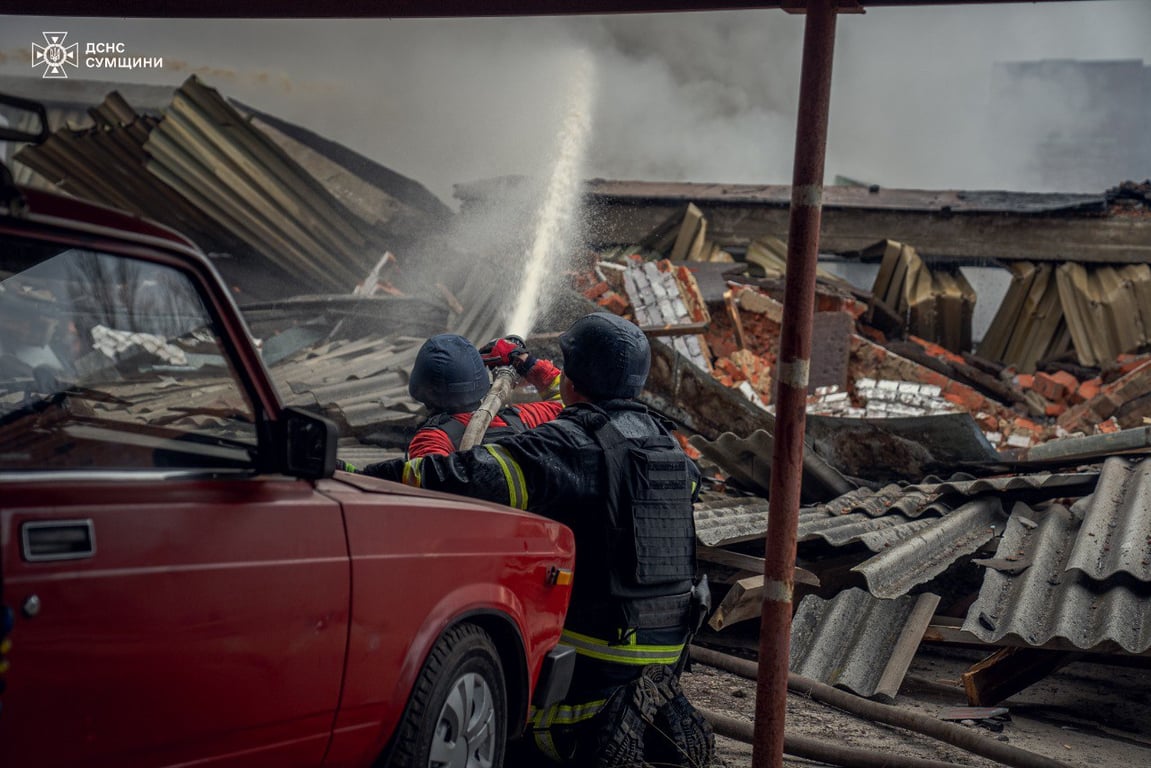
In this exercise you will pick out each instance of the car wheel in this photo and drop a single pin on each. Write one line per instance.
(457, 715)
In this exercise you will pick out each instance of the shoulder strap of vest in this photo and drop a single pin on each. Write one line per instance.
(448, 424)
(512, 417)
(454, 429)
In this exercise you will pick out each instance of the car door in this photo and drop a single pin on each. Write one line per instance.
(175, 603)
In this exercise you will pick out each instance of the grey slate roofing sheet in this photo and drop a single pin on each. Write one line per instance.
(1116, 533)
(858, 642)
(876, 533)
(1047, 601)
(748, 459)
(721, 519)
(890, 498)
(362, 384)
(933, 549)
(1070, 482)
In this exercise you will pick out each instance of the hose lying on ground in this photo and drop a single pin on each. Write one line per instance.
(955, 735)
(820, 751)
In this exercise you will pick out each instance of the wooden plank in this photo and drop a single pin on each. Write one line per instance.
(1008, 671)
(946, 631)
(994, 342)
(688, 228)
(745, 599)
(906, 645)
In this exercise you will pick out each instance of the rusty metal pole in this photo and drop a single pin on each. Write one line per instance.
(791, 378)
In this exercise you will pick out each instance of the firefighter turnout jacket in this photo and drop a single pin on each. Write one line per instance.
(615, 475)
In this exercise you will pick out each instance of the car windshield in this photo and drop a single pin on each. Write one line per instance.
(111, 362)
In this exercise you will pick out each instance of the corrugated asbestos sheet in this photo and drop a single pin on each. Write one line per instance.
(1050, 599)
(858, 642)
(721, 519)
(748, 461)
(914, 500)
(876, 533)
(933, 549)
(1065, 483)
(204, 170)
(1116, 533)
(363, 385)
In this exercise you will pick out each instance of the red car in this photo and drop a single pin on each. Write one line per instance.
(186, 580)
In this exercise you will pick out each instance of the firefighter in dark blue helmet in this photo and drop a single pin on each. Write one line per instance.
(611, 470)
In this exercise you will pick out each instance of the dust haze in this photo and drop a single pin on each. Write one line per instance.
(703, 97)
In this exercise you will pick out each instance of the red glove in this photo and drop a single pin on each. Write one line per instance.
(503, 352)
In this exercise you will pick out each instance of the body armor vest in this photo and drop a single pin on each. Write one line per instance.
(640, 571)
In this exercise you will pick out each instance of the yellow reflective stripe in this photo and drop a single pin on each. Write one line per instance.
(513, 476)
(553, 390)
(413, 473)
(547, 745)
(629, 653)
(566, 714)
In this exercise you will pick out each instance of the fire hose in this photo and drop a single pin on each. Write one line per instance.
(954, 735)
(504, 380)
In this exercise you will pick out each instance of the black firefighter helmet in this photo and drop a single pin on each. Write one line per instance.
(605, 356)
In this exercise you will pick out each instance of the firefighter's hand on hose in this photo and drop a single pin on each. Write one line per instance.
(510, 350)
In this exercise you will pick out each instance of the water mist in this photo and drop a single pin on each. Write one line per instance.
(555, 222)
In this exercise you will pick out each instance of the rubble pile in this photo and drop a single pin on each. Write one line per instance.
(991, 494)
(946, 451)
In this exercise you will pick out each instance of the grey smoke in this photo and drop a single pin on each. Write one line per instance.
(706, 97)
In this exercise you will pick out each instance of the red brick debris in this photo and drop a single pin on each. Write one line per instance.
(1013, 409)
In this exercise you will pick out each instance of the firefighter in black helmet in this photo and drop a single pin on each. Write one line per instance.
(450, 378)
(610, 470)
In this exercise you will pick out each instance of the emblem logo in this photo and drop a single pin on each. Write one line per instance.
(55, 54)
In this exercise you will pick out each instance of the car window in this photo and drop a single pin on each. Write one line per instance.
(112, 362)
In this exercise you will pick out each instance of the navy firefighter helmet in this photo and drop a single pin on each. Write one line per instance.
(449, 375)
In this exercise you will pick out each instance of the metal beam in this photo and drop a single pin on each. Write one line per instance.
(956, 226)
(395, 9)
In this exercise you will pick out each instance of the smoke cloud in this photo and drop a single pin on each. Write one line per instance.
(706, 97)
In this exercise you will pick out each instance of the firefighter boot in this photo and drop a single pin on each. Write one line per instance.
(625, 719)
(680, 736)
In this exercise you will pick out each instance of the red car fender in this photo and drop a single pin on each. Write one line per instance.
(421, 563)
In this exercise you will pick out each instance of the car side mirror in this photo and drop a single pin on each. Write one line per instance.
(307, 444)
(34, 108)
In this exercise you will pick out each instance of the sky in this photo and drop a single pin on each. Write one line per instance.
(702, 97)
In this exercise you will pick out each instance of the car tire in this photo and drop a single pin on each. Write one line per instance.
(457, 715)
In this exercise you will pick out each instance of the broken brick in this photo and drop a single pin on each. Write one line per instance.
(613, 302)
(1089, 389)
(597, 290)
(1108, 426)
(1050, 387)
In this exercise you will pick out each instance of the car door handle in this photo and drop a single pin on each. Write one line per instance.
(44, 540)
